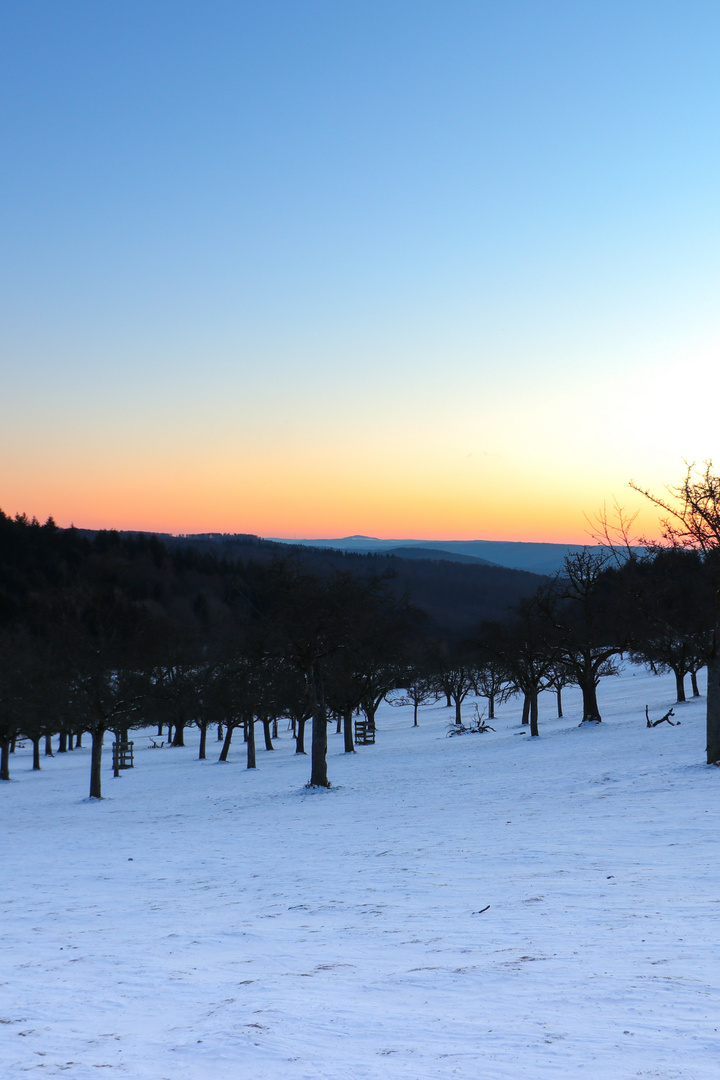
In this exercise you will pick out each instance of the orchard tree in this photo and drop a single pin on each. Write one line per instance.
(293, 701)
(101, 641)
(587, 622)
(15, 650)
(458, 681)
(524, 647)
(454, 670)
(691, 520)
(492, 682)
(669, 611)
(324, 626)
(419, 688)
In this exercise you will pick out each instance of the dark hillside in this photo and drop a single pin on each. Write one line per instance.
(457, 596)
(436, 554)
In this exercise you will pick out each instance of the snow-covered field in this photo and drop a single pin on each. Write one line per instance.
(204, 921)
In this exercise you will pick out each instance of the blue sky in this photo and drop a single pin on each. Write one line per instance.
(439, 268)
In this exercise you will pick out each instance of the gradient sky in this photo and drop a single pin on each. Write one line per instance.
(432, 268)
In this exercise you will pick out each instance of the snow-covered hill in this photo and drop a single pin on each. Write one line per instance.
(488, 907)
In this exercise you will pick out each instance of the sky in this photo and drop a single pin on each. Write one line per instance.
(308, 268)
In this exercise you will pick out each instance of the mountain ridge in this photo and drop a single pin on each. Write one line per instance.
(538, 557)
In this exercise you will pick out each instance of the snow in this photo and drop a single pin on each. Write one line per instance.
(205, 921)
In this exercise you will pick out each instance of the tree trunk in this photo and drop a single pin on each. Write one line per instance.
(275, 729)
(491, 706)
(203, 741)
(71, 740)
(226, 744)
(116, 753)
(526, 709)
(319, 740)
(695, 687)
(416, 706)
(266, 733)
(48, 746)
(5, 759)
(300, 740)
(160, 729)
(179, 738)
(534, 713)
(458, 711)
(338, 723)
(36, 754)
(713, 707)
(318, 751)
(96, 765)
(590, 705)
(348, 731)
(220, 733)
(62, 742)
(370, 711)
(250, 733)
(558, 693)
(448, 700)
(78, 740)
(679, 684)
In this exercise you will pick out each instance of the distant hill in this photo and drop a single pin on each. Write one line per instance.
(434, 554)
(457, 593)
(538, 558)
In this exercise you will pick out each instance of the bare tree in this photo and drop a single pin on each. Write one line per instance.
(587, 630)
(420, 690)
(492, 682)
(524, 647)
(691, 519)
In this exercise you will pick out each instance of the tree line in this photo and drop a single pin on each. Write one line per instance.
(112, 632)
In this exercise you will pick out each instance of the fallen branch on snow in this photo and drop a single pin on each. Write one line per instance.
(662, 720)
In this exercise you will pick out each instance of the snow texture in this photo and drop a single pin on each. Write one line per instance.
(487, 907)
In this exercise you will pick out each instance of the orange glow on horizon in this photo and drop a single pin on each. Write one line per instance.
(316, 496)
(553, 523)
